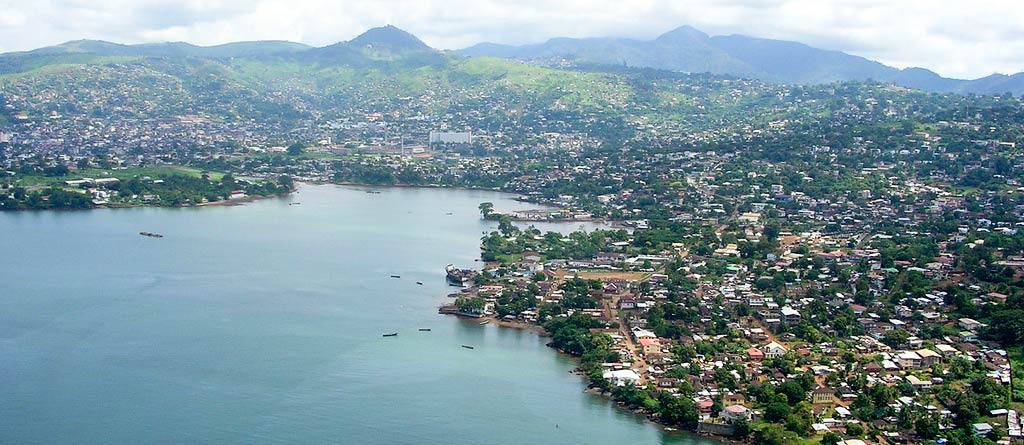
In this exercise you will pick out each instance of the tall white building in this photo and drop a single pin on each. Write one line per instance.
(447, 137)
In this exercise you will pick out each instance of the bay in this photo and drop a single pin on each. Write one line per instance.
(262, 323)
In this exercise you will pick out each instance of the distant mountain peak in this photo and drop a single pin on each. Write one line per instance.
(684, 32)
(389, 37)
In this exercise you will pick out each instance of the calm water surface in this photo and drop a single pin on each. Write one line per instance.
(262, 323)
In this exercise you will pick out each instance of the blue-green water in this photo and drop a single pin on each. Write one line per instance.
(263, 322)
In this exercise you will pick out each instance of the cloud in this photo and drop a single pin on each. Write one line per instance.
(960, 39)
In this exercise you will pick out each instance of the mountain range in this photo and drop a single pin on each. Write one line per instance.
(684, 49)
(690, 50)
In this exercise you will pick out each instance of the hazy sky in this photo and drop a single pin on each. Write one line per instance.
(952, 37)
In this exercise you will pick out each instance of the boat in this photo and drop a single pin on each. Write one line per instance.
(424, 329)
(151, 234)
(294, 203)
(419, 283)
(458, 277)
(485, 321)
(396, 276)
(393, 334)
(467, 346)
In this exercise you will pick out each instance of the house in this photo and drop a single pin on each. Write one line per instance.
(755, 354)
(790, 315)
(919, 384)
(774, 350)
(873, 368)
(908, 360)
(981, 429)
(531, 256)
(928, 357)
(969, 324)
(704, 407)
(641, 334)
(822, 396)
(622, 377)
(650, 346)
(733, 413)
(734, 399)
(946, 350)
(627, 303)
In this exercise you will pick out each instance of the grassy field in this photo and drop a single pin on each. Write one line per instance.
(39, 181)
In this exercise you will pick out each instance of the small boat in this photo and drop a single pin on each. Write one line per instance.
(467, 346)
(396, 276)
(485, 321)
(151, 234)
(294, 203)
(393, 334)
(449, 213)
(419, 283)
(424, 329)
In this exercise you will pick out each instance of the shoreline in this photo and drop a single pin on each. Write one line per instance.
(221, 203)
(593, 391)
(611, 224)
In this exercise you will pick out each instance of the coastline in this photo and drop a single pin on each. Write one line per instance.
(221, 203)
(593, 391)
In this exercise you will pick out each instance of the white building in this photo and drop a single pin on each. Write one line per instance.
(622, 377)
(774, 350)
(447, 137)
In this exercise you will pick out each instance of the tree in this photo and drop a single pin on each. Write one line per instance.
(470, 304)
(740, 429)
(486, 209)
(771, 231)
(776, 412)
(854, 429)
(896, 338)
(773, 434)
(286, 182)
(506, 227)
(831, 438)
(677, 410)
(296, 149)
(927, 427)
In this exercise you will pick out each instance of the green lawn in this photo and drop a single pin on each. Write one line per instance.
(35, 181)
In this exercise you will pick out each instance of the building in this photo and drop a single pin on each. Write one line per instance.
(822, 396)
(755, 354)
(970, 324)
(650, 346)
(733, 413)
(445, 137)
(919, 384)
(622, 377)
(908, 360)
(928, 357)
(790, 315)
(774, 350)
(641, 334)
(982, 429)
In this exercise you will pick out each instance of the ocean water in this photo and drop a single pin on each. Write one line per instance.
(262, 323)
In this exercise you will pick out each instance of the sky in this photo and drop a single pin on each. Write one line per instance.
(955, 38)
